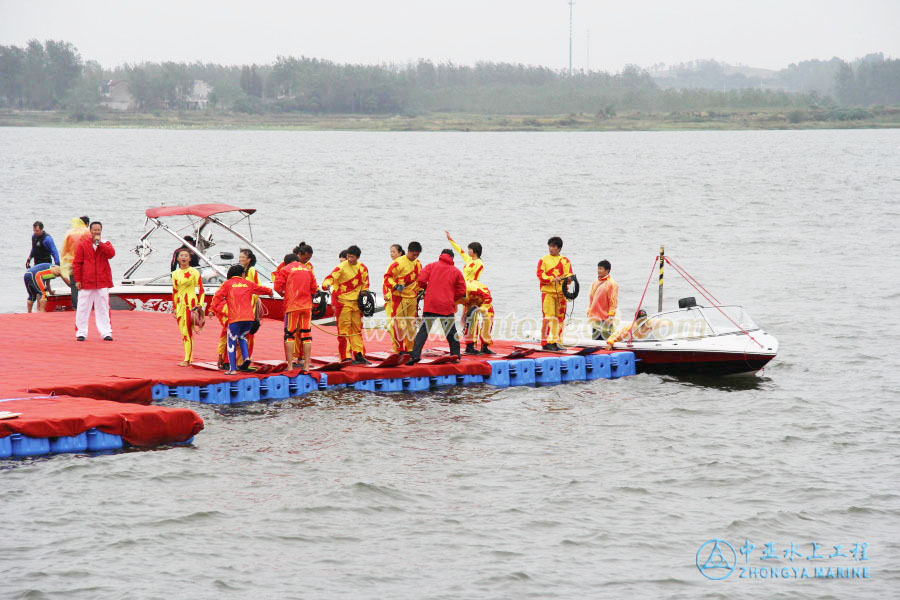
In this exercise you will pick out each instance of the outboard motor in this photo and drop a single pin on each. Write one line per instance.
(688, 302)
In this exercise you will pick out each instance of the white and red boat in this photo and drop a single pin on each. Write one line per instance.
(198, 221)
(701, 340)
(715, 339)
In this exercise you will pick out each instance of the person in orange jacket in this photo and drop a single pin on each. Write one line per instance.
(478, 311)
(553, 270)
(237, 295)
(401, 280)
(298, 286)
(349, 279)
(603, 302)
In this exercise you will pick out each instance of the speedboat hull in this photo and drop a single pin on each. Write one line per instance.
(729, 354)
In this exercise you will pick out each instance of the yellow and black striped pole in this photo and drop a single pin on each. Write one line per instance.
(662, 261)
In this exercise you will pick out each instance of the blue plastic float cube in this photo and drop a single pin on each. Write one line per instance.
(275, 387)
(69, 443)
(443, 380)
(22, 445)
(97, 441)
(303, 384)
(546, 370)
(416, 384)
(216, 393)
(598, 366)
(188, 392)
(245, 390)
(521, 372)
(470, 379)
(622, 364)
(389, 385)
(160, 391)
(5, 447)
(499, 373)
(366, 385)
(572, 368)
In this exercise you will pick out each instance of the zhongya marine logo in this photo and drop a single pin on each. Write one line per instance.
(716, 559)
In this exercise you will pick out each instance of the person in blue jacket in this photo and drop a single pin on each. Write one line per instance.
(43, 250)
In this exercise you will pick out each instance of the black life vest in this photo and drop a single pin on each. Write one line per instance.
(39, 252)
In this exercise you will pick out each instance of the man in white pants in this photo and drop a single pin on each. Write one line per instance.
(93, 277)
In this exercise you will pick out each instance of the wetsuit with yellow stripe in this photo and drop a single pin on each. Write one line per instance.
(348, 281)
(553, 303)
(401, 308)
(482, 319)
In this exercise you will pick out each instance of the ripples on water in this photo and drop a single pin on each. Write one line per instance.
(601, 489)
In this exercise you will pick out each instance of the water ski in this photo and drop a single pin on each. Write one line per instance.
(387, 360)
(440, 360)
(328, 363)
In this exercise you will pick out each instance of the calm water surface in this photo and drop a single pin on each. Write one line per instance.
(594, 490)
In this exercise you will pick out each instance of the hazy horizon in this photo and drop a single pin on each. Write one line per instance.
(761, 34)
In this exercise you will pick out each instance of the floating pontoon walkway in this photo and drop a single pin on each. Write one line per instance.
(67, 379)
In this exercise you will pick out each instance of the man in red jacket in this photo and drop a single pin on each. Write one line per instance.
(93, 278)
(444, 284)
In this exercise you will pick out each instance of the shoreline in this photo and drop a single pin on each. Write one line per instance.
(770, 119)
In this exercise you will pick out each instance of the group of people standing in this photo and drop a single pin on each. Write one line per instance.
(83, 265)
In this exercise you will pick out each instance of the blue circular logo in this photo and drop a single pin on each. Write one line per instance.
(716, 559)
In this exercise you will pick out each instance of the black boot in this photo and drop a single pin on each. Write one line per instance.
(485, 349)
(359, 359)
(470, 348)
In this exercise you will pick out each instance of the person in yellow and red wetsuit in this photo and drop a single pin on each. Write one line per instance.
(552, 272)
(472, 258)
(603, 302)
(298, 286)
(336, 307)
(478, 311)
(349, 279)
(188, 296)
(401, 279)
(237, 294)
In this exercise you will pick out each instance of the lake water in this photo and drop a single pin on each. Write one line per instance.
(605, 489)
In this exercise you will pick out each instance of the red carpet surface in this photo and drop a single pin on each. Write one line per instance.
(41, 356)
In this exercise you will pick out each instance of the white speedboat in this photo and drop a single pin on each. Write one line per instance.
(155, 293)
(698, 340)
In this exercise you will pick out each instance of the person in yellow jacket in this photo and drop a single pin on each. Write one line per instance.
(188, 297)
(603, 302)
(641, 329)
(349, 279)
(472, 258)
(552, 272)
(401, 280)
(478, 312)
(73, 237)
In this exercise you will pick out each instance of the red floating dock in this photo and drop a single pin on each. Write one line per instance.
(77, 380)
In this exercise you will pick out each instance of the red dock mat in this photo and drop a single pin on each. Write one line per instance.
(67, 416)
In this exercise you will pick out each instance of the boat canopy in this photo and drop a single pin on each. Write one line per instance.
(197, 210)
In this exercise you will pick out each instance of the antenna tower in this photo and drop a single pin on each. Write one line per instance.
(571, 5)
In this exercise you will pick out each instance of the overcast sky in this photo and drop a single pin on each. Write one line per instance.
(759, 33)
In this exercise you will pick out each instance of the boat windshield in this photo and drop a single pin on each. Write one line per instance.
(694, 322)
(722, 324)
(676, 324)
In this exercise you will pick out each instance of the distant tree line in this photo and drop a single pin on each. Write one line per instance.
(52, 75)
